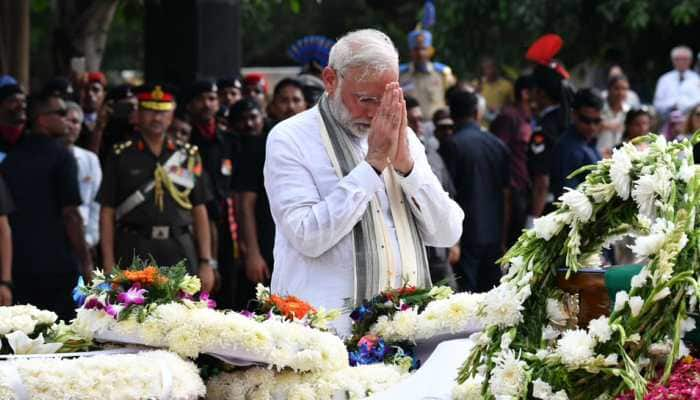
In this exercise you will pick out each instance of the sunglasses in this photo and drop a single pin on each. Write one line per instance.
(590, 121)
(61, 112)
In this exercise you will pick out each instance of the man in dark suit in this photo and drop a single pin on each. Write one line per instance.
(479, 164)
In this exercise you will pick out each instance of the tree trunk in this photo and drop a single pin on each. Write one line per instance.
(83, 27)
(14, 39)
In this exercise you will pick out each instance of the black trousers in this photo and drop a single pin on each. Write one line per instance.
(47, 292)
(477, 267)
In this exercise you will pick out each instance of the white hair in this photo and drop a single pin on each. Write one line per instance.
(73, 106)
(368, 49)
(680, 51)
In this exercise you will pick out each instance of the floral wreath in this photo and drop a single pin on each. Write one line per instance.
(647, 189)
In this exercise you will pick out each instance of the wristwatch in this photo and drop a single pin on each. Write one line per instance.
(7, 284)
(212, 263)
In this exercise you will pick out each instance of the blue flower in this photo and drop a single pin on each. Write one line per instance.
(78, 293)
(360, 313)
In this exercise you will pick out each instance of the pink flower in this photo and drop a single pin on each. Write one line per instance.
(368, 340)
(204, 296)
(135, 295)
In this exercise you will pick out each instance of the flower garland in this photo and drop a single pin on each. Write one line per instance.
(25, 329)
(153, 375)
(261, 383)
(387, 327)
(684, 383)
(525, 351)
(130, 291)
(191, 328)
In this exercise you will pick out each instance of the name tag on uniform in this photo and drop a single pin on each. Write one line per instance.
(181, 176)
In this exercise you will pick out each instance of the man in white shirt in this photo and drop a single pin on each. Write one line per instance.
(351, 192)
(678, 89)
(89, 176)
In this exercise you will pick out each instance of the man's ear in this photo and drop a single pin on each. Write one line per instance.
(330, 79)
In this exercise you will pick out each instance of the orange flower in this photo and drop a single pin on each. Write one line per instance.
(145, 277)
(291, 307)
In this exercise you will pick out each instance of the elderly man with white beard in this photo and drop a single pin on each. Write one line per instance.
(351, 192)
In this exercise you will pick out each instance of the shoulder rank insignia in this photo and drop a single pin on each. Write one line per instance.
(119, 147)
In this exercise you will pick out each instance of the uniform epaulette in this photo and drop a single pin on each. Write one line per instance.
(193, 150)
(119, 147)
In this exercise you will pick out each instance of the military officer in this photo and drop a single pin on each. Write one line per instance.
(423, 79)
(152, 197)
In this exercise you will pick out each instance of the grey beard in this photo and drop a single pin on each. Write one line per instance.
(341, 113)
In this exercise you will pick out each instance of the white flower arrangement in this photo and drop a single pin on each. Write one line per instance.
(652, 194)
(262, 383)
(24, 318)
(146, 375)
(456, 313)
(190, 330)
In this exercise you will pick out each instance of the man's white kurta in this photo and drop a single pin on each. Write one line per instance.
(315, 211)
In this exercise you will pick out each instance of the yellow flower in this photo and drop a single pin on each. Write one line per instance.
(190, 284)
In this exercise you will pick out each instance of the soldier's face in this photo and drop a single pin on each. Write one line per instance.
(355, 97)
(249, 123)
(154, 122)
(421, 54)
(205, 106)
(228, 96)
(288, 101)
(13, 110)
(93, 96)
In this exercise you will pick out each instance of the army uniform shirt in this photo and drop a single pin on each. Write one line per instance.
(428, 87)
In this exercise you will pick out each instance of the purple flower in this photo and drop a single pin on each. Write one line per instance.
(135, 295)
(247, 314)
(113, 310)
(204, 296)
(184, 296)
(94, 303)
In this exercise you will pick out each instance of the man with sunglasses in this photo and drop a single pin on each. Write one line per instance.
(577, 146)
(49, 249)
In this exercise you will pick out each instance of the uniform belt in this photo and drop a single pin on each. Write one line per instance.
(158, 232)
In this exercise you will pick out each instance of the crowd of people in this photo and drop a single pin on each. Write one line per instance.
(96, 176)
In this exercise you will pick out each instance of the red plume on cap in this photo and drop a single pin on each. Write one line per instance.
(543, 50)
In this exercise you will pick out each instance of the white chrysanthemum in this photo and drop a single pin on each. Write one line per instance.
(578, 203)
(641, 278)
(644, 194)
(508, 376)
(469, 390)
(660, 349)
(502, 306)
(636, 304)
(547, 226)
(620, 173)
(110, 376)
(541, 389)
(599, 329)
(621, 299)
(575, 347)
(440, 292)
(645, 246)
